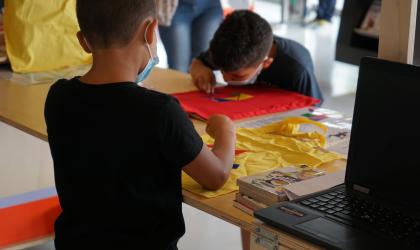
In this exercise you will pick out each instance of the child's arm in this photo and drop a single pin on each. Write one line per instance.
(211, 168)
(202, 76)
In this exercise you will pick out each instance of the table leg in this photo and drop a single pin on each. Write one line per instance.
(246, 239)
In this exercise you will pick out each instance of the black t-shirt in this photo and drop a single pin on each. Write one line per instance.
(118, 152)
(292, 69)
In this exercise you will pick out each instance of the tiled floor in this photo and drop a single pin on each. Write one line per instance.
(338, 83)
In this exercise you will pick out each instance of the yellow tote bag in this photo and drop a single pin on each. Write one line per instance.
(41, 35)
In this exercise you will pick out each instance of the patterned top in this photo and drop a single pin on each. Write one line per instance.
(165, 11)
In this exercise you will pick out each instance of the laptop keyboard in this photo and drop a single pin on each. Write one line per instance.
(358, 212)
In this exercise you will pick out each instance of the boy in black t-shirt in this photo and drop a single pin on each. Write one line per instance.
(118, 148)
(245, 50)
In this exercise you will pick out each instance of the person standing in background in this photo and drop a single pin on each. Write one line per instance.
(326, 10)
(324, 14)
(186, 28)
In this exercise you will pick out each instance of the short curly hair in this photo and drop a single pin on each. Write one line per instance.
(242, 40)
(110, 23)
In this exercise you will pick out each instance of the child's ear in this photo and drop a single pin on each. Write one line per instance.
(267, 62)
(83, 42)
(150, 31)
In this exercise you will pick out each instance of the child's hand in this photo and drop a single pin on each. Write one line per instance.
(211, 168)
(202, 76)
(219, 125)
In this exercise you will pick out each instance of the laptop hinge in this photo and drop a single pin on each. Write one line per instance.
(361, 189)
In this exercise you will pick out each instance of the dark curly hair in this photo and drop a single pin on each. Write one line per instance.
(242, 40)
(110, 23)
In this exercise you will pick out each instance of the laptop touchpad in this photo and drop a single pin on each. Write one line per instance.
(330, 231)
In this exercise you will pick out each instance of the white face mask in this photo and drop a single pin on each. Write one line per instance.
(248, 81)
(153, 61)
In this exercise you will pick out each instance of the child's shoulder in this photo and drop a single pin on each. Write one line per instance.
(289, 44)
(124, 92)
(60, 83)
(61, 86)
(57, 89)
(156, 98)
(293, 52)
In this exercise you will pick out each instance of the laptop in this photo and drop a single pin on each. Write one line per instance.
(378, 206)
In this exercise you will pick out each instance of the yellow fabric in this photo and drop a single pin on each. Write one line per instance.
(41, 35)
(290, 128)
(272, 146)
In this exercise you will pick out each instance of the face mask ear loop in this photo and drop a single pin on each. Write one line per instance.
(87, 43)
(145, 39)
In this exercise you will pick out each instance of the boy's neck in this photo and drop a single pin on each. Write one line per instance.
(273, 50)
(112, 66)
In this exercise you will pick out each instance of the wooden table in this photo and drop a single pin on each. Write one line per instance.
(22, 107)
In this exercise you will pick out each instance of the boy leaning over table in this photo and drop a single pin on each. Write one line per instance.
(246, 52)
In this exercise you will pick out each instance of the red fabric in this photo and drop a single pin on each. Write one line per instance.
(237, 151)
(29, 221)
(261, 101)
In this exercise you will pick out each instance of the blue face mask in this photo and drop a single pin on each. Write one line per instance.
(249, 81)
(153, 61)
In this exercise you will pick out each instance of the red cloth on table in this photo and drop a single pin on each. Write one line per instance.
(242, 102)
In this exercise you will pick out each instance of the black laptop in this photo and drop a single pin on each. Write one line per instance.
(378, 207)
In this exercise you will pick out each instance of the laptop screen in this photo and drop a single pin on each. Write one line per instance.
(384, 154)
